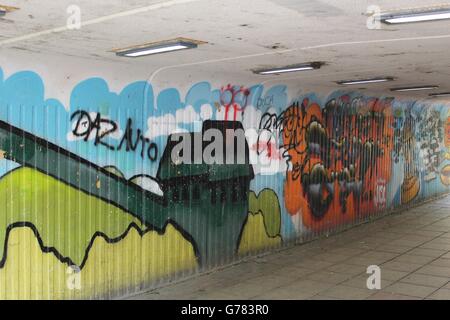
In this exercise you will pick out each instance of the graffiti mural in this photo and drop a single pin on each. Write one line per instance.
(430, 132)
(336, 156)
(118, 191)
(411, 184)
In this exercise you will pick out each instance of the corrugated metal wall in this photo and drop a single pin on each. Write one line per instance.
(111, 195)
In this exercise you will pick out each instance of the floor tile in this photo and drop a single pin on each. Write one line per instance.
(441, 294)
(348, 293)
(425, 280)
(410, 289)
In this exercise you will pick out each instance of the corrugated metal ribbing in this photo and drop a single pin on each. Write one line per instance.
(97, 203)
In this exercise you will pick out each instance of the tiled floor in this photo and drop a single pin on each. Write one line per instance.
(412, 249)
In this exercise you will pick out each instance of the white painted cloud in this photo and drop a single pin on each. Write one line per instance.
(161, 126)
(186, 115)
(168, 124)
(271, 110)
(251, 117)
(220, 113)
(149, 184)
(206, 112)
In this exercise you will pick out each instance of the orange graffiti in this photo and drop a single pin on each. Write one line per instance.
(337, 157)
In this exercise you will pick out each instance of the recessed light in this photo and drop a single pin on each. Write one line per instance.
(363, 81)
(158, 47)
(416, 16)
(440, 94)
(290, 68)
(418, 88)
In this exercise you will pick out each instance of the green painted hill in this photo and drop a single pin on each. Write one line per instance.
(266, 203)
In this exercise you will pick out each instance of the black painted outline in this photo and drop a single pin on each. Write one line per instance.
(97, 234)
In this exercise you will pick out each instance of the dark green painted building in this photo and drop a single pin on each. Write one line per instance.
(209, 201)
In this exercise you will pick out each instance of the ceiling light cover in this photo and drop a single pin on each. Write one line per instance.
(416, 88)
(440, 94)
(364, 81)
(416, 16)
(291, 68)
(156, 48)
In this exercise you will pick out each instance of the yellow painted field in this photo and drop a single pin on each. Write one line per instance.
(110, 268)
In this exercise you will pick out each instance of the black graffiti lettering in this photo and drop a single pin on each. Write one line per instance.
(296, 171)
(100, 133)
(144, 142)
(265, 102)
(128, 137)
(84, 125)
(83, 121)
(152, 151)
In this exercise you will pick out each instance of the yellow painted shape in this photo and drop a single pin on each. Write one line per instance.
(65, 217)
(254, 236)
(111, 269)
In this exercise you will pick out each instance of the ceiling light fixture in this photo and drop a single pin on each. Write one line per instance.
(291, 68)
(364, 81)
(416, 16)
(419, 88)
(158, 47)
(440, 94)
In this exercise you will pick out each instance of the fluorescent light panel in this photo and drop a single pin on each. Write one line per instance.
(440, 94)
(418, 88)
(157, 48)
(364, 81)
(416, 16)
(149, 51)
(286, 70)
(292, 68)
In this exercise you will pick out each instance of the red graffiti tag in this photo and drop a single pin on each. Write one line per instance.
(235, 97)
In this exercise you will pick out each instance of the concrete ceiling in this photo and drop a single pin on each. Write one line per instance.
(241, 36)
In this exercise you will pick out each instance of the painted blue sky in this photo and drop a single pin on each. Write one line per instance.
(23, 104)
